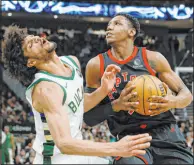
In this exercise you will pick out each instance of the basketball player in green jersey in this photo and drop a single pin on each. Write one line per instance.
(10, 143)
(4, 149)
(58, 102)
(168, 144)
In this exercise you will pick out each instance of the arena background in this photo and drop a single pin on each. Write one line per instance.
(78, 27)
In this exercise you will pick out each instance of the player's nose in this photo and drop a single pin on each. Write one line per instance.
(110, 27)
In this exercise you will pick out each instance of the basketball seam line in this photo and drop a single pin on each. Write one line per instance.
(154, 84)
(143, 96)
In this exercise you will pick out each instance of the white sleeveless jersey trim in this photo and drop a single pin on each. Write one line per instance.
(72, 102)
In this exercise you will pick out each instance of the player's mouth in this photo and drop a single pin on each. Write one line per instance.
(108, 34)
(44, 42)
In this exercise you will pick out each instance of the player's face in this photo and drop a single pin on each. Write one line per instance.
(118, 29)
(38, 48)
(6, 129)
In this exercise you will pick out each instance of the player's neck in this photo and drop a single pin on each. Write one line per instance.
(122, 50)
(54, 66)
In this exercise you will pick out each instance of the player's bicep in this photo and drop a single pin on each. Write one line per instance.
(93, 73)
(173, 81)
(46, 95)
(48, 99)
(166, 74)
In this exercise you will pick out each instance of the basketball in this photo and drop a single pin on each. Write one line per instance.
(147, 86)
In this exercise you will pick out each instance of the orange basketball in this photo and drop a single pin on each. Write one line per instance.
(147, 86)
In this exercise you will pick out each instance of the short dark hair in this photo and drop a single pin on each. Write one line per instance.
(134, 21)
(13, 57)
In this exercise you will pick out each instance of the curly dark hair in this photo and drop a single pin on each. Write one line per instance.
(134, 21)
(13, 57)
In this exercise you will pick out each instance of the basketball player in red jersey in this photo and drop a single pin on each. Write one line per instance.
(168, 144)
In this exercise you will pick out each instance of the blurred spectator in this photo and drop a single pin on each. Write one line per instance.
(189, 137)
(182, 113)
(170, 40)
(176, 44)
(12, 108)
(4, 149)
(10, 144)
(182, 127)
(17, 160)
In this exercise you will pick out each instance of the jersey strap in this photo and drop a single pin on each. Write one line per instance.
(145, 60)
(69, 60)
(101, 64)
(72, 60)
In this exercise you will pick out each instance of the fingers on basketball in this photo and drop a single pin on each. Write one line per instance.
(148, 86)
(128, 90)
(157, 99)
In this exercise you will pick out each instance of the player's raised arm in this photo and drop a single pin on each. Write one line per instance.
(183, 96)
(107, 83)
(48, 97)
(102, 87)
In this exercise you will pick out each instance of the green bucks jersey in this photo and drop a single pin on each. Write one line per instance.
(72, 103)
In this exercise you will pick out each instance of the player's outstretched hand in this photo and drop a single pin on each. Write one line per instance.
(109, 77)
(133, 145)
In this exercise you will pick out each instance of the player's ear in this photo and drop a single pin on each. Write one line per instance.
(31, 62)
(131, 32)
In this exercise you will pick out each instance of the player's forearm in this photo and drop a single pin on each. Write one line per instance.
(183, 98)
(94, 98)
(88, 148)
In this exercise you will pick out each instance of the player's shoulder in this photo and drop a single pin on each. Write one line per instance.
(157, 61)
(153, 55)
(94, 62)
(44, 93)
(46, 88)
(74, 58)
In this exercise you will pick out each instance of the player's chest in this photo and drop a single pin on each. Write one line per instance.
(122, 79)
(74, 93)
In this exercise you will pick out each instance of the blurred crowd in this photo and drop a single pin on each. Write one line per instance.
(13, 109)
(18, 148)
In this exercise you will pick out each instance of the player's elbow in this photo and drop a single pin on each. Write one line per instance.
(65, 146)
(190, 98)
(187, 101)
(61, 143)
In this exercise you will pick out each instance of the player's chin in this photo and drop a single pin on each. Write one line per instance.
(109, 41)
(52, 47)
